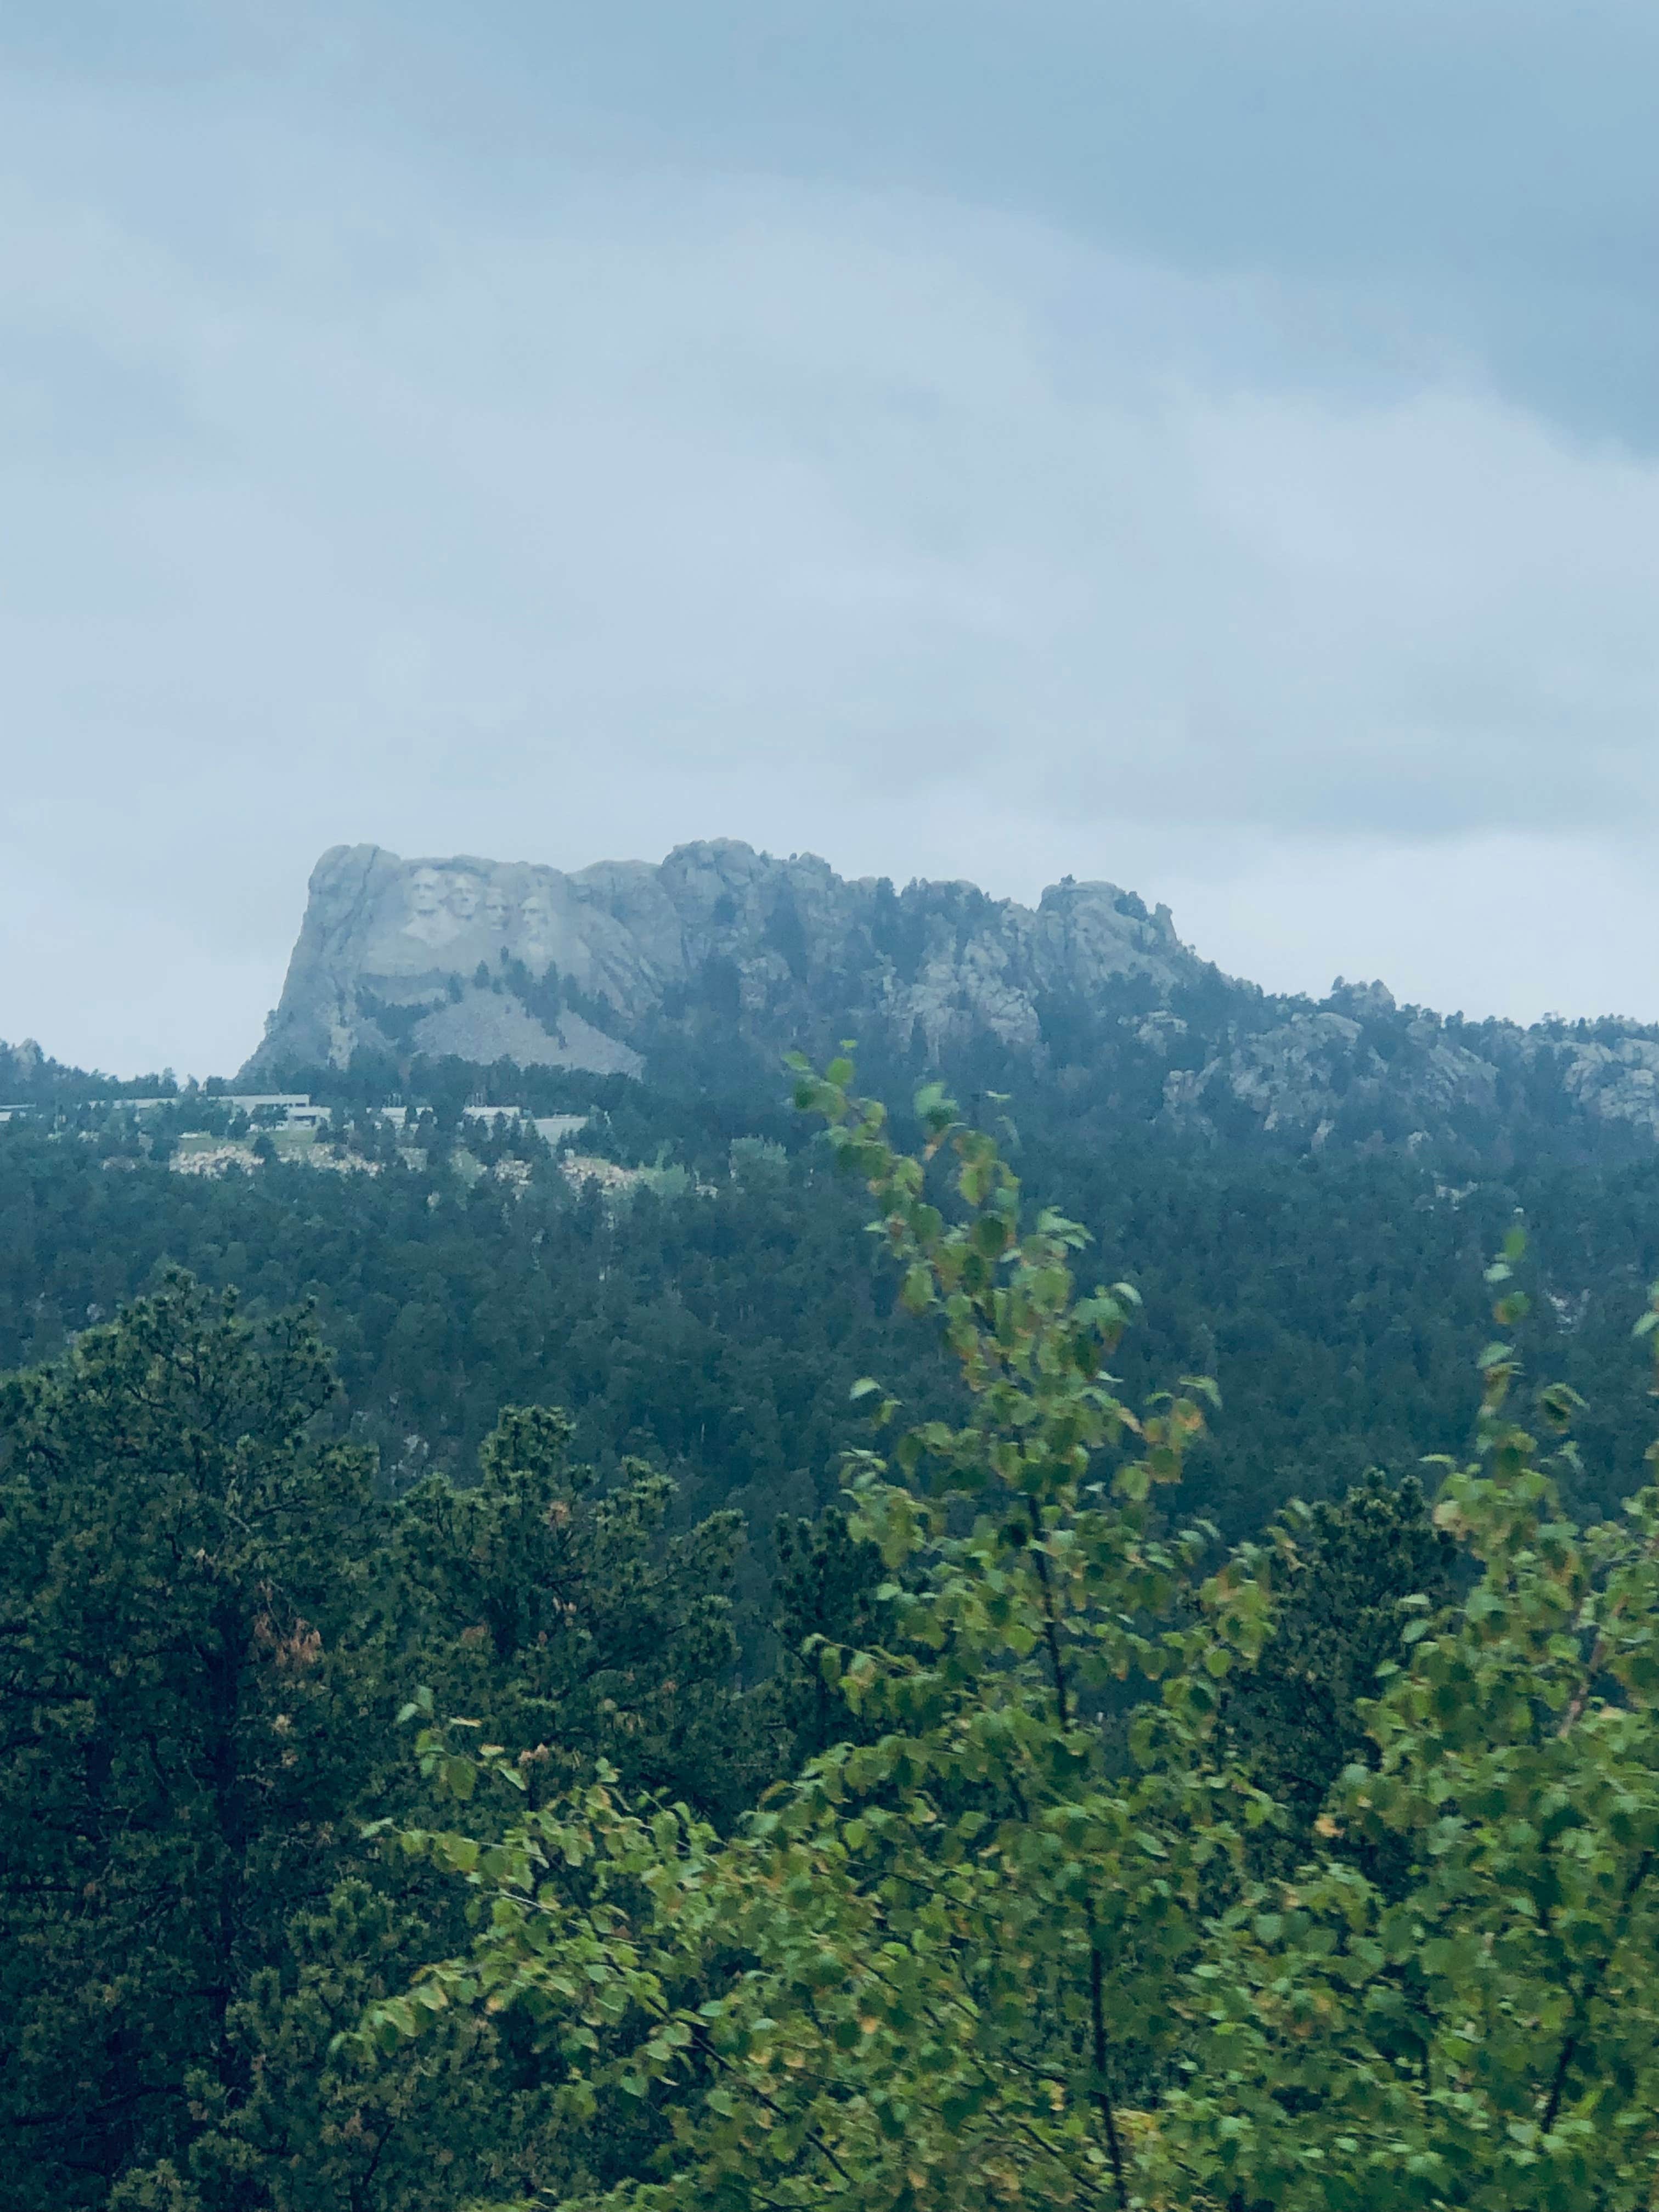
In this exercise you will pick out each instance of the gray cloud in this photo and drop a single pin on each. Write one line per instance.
(946, 519)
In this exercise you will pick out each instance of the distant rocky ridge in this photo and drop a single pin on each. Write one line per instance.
(626, 965)
(398, 954)
(29, 1078)
(20, 1069)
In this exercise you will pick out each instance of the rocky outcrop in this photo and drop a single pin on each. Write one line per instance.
(1360, 1069)
(1617, 1082)
(29, 1078)
(20, 1069)
(489, 961)
(725, 951)
(1316, 1066)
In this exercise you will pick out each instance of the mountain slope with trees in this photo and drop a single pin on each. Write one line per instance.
(240, 1972)
(713, 1325)
(1010, 1943)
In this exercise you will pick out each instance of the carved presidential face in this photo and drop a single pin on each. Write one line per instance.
(495, 907)
(532, 914)
(464, 897)
(426, 892)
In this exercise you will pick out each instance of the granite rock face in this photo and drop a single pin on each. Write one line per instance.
(1358, 1069)
(489, 961)
(725, 949)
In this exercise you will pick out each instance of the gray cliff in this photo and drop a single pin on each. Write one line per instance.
(416, 953)
(724, 949)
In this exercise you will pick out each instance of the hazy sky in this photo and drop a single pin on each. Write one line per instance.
(1211, 444)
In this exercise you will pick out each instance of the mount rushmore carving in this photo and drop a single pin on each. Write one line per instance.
(490, 960)
(614, 966)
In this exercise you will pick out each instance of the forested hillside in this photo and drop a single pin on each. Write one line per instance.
(546, 1446)
(714, 1322)
(415, 1797)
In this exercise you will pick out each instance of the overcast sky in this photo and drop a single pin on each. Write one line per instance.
(1213, 445)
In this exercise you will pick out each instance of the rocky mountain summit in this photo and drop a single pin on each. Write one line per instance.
(488, 960)
(722, 954)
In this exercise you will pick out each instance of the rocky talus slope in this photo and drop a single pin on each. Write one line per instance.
(722, 950)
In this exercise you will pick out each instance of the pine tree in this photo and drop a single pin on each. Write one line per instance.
(181, 1574)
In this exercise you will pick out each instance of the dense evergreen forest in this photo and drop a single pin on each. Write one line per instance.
(712, 1323)
(384, 1546)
